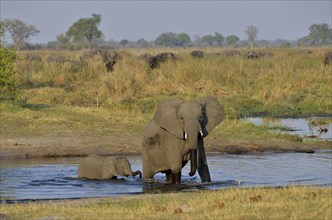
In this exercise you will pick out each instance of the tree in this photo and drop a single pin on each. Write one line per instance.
(86, 29)
(215, 40)
(232, 40)
(2, 32)
(303, 41)
(166, 39)
(142, 43)
(173, 39)
(63, 39)
(182, 39)
(219, 38)
(124, 42)
(197, 39)
(208, 39)
(251, 32)
(320, 34)
(19, 31)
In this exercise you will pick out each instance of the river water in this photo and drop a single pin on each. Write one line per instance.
(303, 127)
(56, 178)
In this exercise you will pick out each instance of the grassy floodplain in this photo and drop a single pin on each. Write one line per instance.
(233, 203)
(288, 84)
(60, 98)
(291, 83)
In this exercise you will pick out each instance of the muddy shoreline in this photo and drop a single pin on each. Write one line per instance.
(78, 145)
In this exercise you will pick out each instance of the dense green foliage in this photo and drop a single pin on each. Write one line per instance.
(7, 83)
(232, 40)
(319, 34)
(173, 39)
(7, 60)
(86, 29)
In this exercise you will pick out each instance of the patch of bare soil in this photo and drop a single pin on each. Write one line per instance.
(72, 144)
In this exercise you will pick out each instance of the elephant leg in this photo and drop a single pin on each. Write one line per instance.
(173, 178)
(168, 176)
(176, 178)
(203, 169)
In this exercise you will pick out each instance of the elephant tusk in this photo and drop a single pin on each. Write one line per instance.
(201, 132)
(185, 135)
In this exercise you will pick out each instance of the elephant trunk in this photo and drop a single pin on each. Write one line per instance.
(193, 143)
(193, 161)
(137, 173)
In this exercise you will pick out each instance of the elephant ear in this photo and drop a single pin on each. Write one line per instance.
(214, 112)
(123, 166)
(166, 117)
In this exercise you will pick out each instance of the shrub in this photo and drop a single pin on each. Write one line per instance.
(8, 88)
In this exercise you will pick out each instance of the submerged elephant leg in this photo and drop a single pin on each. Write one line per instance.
(176, 178)
(168, 176)
(203, 169)
(173, 178)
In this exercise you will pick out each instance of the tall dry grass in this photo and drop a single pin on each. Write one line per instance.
(288, 84)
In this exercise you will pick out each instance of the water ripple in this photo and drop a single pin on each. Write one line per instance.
(56, 178)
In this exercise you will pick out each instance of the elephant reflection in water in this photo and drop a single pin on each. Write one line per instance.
(175, 135)
(101, 168)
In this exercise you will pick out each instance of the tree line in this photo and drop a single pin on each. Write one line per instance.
(85, 33)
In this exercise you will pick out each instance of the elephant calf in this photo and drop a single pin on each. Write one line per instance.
(101, 168)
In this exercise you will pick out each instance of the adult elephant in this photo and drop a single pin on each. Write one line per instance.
(174, 136)
(101, 168)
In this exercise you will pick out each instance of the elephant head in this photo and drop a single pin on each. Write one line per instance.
(119, 166)
(189, 121)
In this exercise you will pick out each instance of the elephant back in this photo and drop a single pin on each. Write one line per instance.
(90, 167)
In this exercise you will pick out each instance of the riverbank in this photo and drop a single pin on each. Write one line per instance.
(60, 131)
(74, 144)
(293, 202)
(60, 111)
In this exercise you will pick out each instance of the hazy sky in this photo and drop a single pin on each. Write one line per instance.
(132, 20)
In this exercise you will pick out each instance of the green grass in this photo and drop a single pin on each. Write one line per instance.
(232, 203)
(120, 118)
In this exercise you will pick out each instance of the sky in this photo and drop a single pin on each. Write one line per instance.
(135, 19)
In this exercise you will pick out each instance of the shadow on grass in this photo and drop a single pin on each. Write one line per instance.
(35, 106)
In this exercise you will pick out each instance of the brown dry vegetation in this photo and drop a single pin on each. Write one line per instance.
(289, 83)
(233, 203)
(64, 111)
(76, 111)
